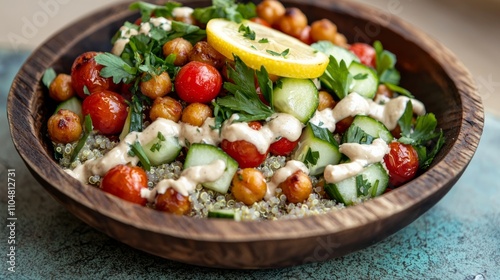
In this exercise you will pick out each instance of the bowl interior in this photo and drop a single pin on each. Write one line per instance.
(428, 70)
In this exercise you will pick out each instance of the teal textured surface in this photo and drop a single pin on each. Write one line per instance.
(459, 238)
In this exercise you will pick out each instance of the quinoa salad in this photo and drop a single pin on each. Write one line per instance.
(238, 111)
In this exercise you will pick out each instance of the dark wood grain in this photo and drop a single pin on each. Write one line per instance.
(428, 69)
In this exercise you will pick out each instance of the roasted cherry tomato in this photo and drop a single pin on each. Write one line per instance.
(85, 72)
(108, 111)
(283, 147)
(173, 202)
(244, 152)
(365, 53)
(126, 182)
(401, 162)
(198, 82)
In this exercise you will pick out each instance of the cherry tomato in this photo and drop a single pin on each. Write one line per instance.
(261, 21)
(283, 147)
(365, 53)
(198, 82)
(126, 182)
(401, 162)
(244, 152)
(108, 111)
(173, 202)
(85, 72)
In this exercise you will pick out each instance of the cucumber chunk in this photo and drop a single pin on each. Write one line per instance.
(339, 53)
(73, 104)
(224, 214)
(349, 190)
(203, 154)
(160, 151)
(297, 97)
(365, 80)
(317, 148)
(370, 130)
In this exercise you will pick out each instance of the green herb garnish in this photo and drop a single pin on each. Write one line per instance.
(247, 32)
(337, 77)
(242, 98)
(227, 9)
(311, 157)
(283, 53)
(137, 150)
(87, 129)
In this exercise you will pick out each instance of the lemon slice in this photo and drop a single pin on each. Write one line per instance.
(279, 53)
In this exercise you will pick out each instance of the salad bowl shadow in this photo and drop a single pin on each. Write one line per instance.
(429, 70)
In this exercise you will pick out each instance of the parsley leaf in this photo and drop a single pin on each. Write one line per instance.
(148, 9)
(420, 134)
(355, 134)
(247, 32)
(360, 76)
(337, 77)
(48, 77)
(242, 98)
(362, 185)
(227, 9)
(264, 40)
(137, 150)
(87, 129)
(387, 73)
(283, 53)
(115, 67)
(311, 158)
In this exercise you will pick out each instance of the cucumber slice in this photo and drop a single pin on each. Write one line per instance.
(365, 80)
(297, 97)
(224, 214)
(73, 104)
(370, 130)
(203, 154)
(339, 53)
(317, 148)
(348, 191)
(160, 151)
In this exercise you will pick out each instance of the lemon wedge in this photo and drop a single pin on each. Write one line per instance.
(258, 45)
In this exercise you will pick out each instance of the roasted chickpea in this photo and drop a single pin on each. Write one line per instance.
(325, 100)
(292, 22)
(181, 48)
(203, 52)
(173, 202)
(342, 125)
(383, 92)
(64, 127)
(60, 89)
(297, 187)
(323, 30)
(270, 10)
(196, 114)
(340, 40)
(156, 86)
(167, 108)
(249, 186)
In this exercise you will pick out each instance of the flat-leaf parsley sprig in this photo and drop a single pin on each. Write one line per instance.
(242, 97)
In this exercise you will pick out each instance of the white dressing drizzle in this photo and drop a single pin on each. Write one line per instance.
(189, 179)
(282, 174)
(360, 155)
(355, 104)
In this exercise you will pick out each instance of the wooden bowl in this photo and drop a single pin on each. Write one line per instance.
(428, 69)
